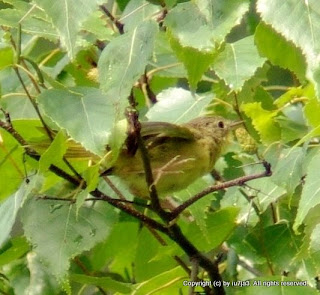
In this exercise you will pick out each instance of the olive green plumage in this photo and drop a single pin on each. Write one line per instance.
(179, 154)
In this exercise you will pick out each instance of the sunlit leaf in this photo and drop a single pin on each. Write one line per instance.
(68, 16)
(11, 166)
(263, 121)
(87, 115)
(123, 61)
(202, 24)
(195, 62)
(238, 62)
(136, 12)
(6, 57)
(279, 50)
(289, 169)
(177, 105)
(299, 22)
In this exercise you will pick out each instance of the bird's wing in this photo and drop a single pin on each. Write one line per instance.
(164, 129)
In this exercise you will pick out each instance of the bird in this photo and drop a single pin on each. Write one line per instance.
(178, 153)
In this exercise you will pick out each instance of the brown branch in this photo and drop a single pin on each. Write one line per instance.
(235, 182)
(118, 24)
(211, 267)
(145, 219)
(133, 120)
(35, 106)
(174, 232)
(114, 188)
(144, 83)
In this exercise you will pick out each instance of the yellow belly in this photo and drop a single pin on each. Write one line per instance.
(175, 165)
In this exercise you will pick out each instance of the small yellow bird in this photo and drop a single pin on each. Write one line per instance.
(179, 154)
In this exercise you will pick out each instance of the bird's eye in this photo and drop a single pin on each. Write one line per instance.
(220, 124)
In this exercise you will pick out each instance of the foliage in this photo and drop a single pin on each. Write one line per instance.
(67, 69)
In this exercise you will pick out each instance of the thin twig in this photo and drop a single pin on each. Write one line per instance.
(235, 182)
(134, 121)
(145, 88)
(114, 188)
(145, 219)
(35, 106)
(118, 24)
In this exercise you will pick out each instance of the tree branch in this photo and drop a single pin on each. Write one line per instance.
(235, 182)
(132, 116)
(174, 231)
(118, 24)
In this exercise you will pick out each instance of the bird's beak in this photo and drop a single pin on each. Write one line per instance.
(235, 124)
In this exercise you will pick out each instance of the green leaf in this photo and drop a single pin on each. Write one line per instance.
(103, 282)
(17, 247)
(314, 240)
(54, 153)
(310, 196)
(96, 25)
(200, 207)
(168, 282)
(119, 249)
(263, 121)
(220, 225)
(150, 261)
(202, 24)
(68, 16)
(137, 12)
(311, 111)
(91, 176)
(8, 212)
(280, 251)
(11, 166)
(6, 57)
(124, 59)
(290, 130)
(238, 62)
(18, 106)
(289, 169)
(69, 233)
(304, 24)
(84, 112)
(195, 61)
(279, 51)
(177, 105)
(265, 192)
(165, 63)
(31, 25)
